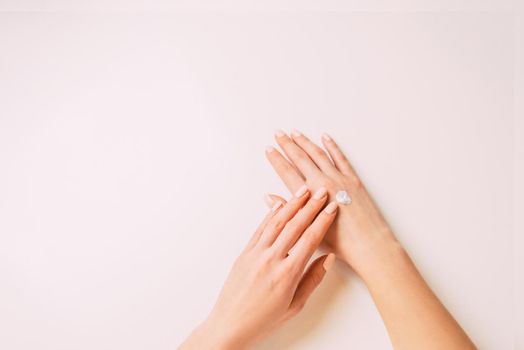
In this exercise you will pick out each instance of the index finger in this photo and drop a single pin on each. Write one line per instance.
(314, 234)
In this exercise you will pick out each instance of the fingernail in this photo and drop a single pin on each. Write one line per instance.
(268, 200)
(326, 137)
(277, 205)
(270, 149)
(328, 263)
(331, 207)
(301, 191)
(296, 133)
(279, 133)
(320, 193)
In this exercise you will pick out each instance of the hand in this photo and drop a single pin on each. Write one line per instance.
(360, 232)
(267, 284)
(362, 238)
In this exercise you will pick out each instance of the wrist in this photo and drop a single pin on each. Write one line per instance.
(223, 337)
(390, 265)
(371, 258)
(213, 336)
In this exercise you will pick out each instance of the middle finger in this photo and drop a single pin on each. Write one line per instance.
(298, 224)
(317, 154)
(297, 155)
(280, 219)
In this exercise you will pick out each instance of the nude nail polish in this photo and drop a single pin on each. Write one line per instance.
(331, 207)
(328, 263)
(279, 133)
(270, 149)
(326, 137)
(320, 193)
(296, 133)
(301, 191)
(277, 205)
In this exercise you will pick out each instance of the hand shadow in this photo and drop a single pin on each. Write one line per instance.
(303, 326)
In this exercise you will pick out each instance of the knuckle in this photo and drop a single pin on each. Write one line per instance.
(301, 156)
(328, 183)
(309, 243)
(290, 270)
(245, 256)
(278, 280)
(318, 152)
(265, 260)
(311, 210)
(273, 226)
(279, 225)
(355, 181)
(293, 226)
(262, 268)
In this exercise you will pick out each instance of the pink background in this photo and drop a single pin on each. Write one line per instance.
(132, 164)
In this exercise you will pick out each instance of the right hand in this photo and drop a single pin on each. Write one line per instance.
(269, 282)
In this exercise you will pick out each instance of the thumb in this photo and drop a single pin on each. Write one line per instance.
(310, 281)
(271, 199)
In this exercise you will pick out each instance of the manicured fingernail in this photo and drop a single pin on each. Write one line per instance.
(296, 133)
(277, 205)
(331, 207)
(328, 263)
(268, 200)
(301, 191)
(320, 193)
(279, 133)
(270, 149)
(326, 137)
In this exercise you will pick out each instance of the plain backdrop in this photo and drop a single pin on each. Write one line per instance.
(132, 165)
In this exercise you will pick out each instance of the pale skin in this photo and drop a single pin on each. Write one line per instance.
(269, 282)
(360, 237)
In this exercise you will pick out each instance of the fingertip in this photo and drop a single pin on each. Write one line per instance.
(331, 208)
(301, 191)
(279, 133)
(270, 149)
(320, 193)
(296, 133)
(326, 137)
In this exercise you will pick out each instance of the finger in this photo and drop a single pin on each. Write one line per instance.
(296, 155)
(270, 199)
(317, 154)
(285, 170)
(280, 219)
(276, 206)
(311, 238)
(298, 224)
(340, 160)
(310, 281)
